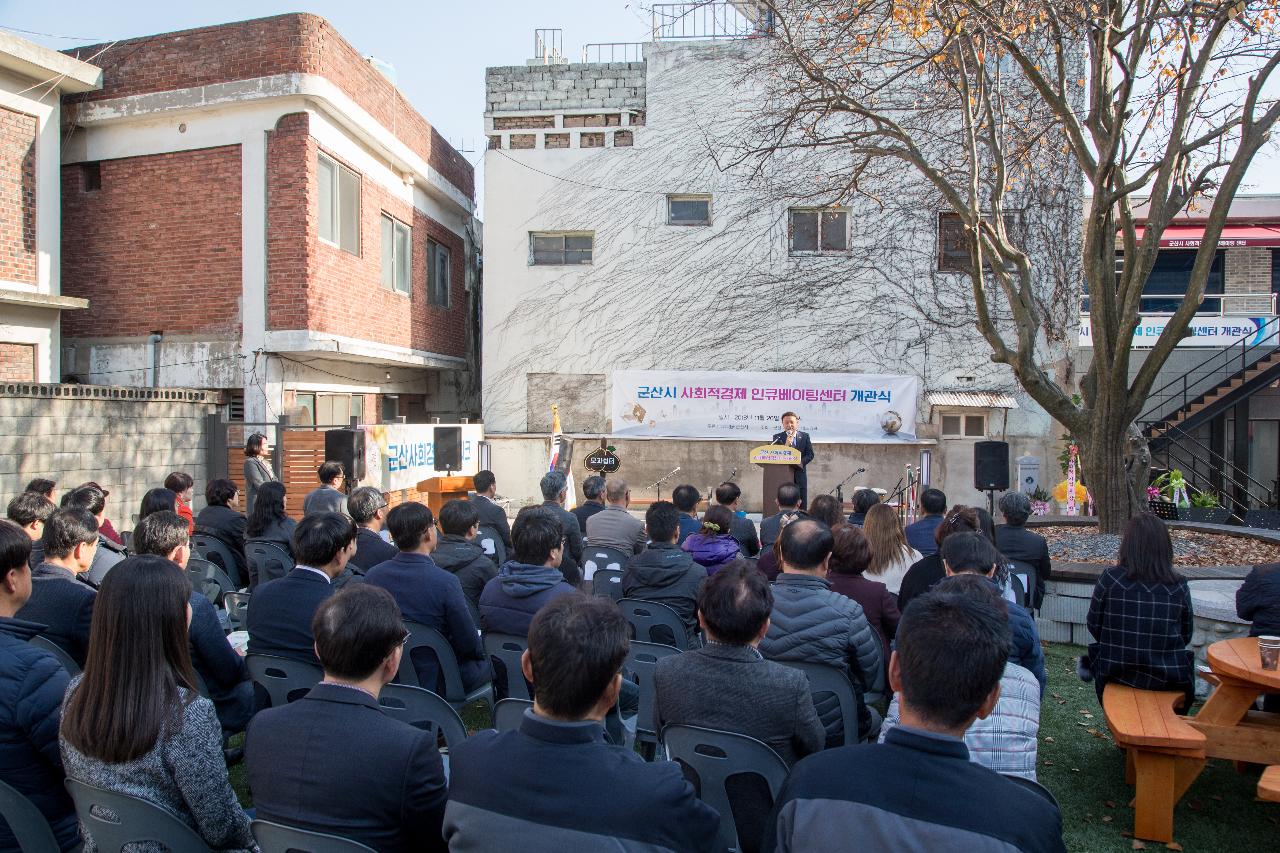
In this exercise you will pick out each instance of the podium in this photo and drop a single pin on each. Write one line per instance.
(441, 490)
(775, 461)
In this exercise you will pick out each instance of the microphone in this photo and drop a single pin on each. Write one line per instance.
(775, 441)
(860, 471)
(732, 474)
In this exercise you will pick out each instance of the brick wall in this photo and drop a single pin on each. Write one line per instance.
(579, 85)
(156, 247)
(316, 285)
(285, 44)
(18, 254)
(1248, 271)
(17, 362)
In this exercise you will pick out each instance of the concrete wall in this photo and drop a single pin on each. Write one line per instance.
(588, 85)
(125, 439)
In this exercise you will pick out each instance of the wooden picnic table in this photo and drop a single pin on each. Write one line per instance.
(1231, 728)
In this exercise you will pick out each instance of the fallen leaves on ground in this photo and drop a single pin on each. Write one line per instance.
(1193, 548)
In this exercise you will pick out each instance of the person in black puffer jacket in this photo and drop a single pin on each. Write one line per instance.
(1258, 601)
(663, 572)
(32, 684)
(459, 553)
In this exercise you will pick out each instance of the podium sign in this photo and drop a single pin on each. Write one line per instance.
(774, 454)
(775, 461)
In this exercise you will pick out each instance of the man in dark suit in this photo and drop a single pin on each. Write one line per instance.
(369, 511)
(61, 596)
(555, 490)
(741, 528)
(791, 436)
(280, 618)
(592, 491)
(788, 505)
(489, 513)
(921, 533)
(30, 511)
(1029, 552)
(333, 761)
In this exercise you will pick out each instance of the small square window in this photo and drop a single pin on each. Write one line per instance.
(816, 230)
(688, 210)
(953, 242)
(560, 249)
(975, 426)
(951, 425)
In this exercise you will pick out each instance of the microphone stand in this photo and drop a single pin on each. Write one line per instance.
(839, 489)
(658, 485)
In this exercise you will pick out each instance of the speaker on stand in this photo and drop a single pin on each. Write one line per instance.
(991, 469)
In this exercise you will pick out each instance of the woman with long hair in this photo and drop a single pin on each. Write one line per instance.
(713, 546)
(929, 570)
(257, 467)
(158, 500)
(1141, 617)
(846, 573)
(133, 721)
(891, 556)
(268, 521)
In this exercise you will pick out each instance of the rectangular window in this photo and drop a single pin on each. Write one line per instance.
(815, 231)
(438, 274)
(953, 247)
(396, 255)
(92, 176)
(306, 409)
(964, 426)
(688, 210)
(357, 407)
(560, 249)
(338, 190)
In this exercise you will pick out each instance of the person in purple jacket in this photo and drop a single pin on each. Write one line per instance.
(713, 545)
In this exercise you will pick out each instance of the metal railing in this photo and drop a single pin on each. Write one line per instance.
(712, 20)
(1200, 464)
(613, 51)
(1213, 305)
(548, 46)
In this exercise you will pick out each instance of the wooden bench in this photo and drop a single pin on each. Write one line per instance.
(1269, 784)
(1163, 754)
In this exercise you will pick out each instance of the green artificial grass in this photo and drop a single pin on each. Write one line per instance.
(1080, 764)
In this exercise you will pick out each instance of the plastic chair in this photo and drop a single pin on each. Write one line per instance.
(642, 660)
(284, 679)
(237, 606)
(68, 662)
(508, 713)
(207, 578)
(1034, 786)
(490, 539)
(28, 825)
(216, 551)
(278, 838)
(114, 820)
(424, 710)
(824, 679)
(715, 756)
(267, 561)
(644, 616)
(607, 583)
(597, 557)
(509, 648)
(421, 636)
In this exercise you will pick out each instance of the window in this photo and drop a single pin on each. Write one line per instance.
(357, 407)
(953, 247)
(964, 426)
(305, 409)
(815, 231)
(688, 210)
(339, 195)
(395, 255)
(558, 249)
(333, 409)
(91, 174)
(437, 274)
(1166, 286)
(235, 406)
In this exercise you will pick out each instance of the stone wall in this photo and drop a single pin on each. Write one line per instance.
(586, 85)
(126, 439)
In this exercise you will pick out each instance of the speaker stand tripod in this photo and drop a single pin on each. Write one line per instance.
(991, 502)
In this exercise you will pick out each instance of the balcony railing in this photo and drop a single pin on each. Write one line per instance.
(715, 20)
(613, 51)
(1216, 305)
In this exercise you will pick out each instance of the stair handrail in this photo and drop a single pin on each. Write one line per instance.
(1229, 469)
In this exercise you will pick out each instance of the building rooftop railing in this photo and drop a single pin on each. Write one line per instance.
(712, 20)
(613, 51)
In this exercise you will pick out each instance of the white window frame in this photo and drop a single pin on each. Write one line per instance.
(564, 257)
(706, 197)
(338, 228)
(398, 266)
(434, 250)
(848, 231)
(964, 424)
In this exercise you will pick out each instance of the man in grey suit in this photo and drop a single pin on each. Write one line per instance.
(329, 497)
(614, 527)
(555, 490)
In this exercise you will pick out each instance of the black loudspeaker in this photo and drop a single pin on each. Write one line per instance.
(448, 441)
(991, 466)
(346, 446)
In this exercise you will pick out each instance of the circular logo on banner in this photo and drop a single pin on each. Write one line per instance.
(603, 460)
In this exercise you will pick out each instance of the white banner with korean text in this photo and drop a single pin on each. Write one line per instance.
(833, 407)
(399, 456)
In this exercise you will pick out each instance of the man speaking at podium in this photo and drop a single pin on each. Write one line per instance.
(791, 436)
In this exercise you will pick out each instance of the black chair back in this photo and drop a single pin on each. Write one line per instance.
(597, 557)
(207, 578)
(642, 661)
(490, 539)
(645, 616)
(508, 649)
(278, 838)
(422, 636)
(284, 679)
(216, 551)
(824, 680)
(508, 713)
(424, 710)
(267, 561)
(237, 606)
(114, 820)
(607, 583)
(68, 662)
(28, 825)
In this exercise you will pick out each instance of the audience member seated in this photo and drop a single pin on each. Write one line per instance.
(329, 497)
(157, 500)
(61, 596)
(1007, 741)
(1016, 543)
(268, 521)
(29, 511)
(282, 609)
(489, 513)
(664, 572)
(614, 527)
(928, 571)
(104, 525)
(181, 484)
(1141, 617)
(863, 501)
(430, 596)
(134, 723)
(1258, 601)
(920, 533)
(555, 489)
(788, 500)
(850, 556)
(257, 468)
(973, 553)
(826, 508)
(368, 509)
(333, 761)
(164, 534)
(459, 554)
(221, 518)
(111, 549)
(812, 623)
(902, 794)
(592, 503)
(32, 684)
(531, 576)
(713, 545)
(891, 556)
(44, 487)
(686, 499)
(743, 529)
(556, 784)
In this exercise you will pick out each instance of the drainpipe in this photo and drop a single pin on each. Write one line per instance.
(154, 340)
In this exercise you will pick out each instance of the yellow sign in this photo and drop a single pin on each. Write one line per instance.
(774, 454)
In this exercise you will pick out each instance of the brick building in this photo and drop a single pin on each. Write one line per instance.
(254, 207)
(32, 82)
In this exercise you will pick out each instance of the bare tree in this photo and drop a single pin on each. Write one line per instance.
(1000, 107)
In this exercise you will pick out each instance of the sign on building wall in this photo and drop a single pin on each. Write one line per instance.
(399, 456)
(833, 407)
(1205, 331)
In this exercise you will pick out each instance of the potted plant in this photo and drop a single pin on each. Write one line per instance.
(1205, 508)
(1040, 502)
